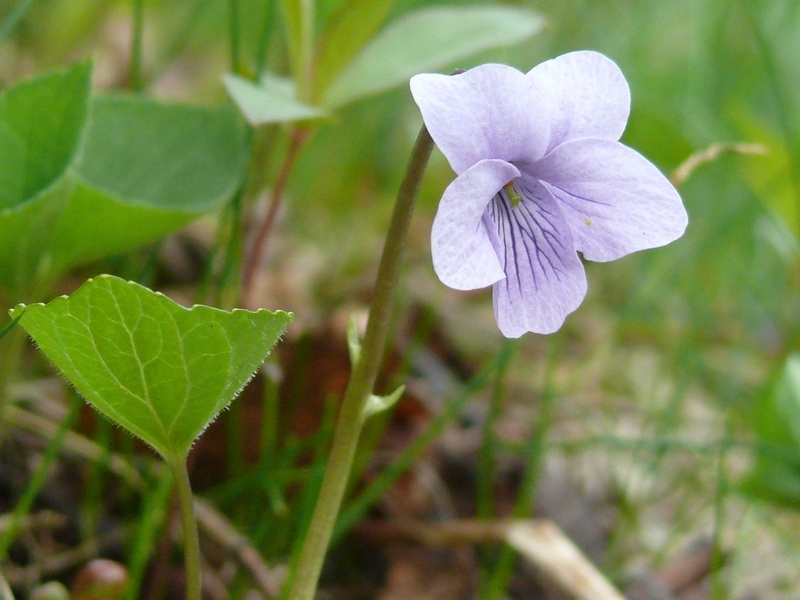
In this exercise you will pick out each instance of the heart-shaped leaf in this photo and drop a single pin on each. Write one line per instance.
(83, 178)
(41, 124)
(160, 370)
(147, 169)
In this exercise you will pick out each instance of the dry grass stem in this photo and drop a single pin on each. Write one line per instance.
(540, 541)
(710, 154)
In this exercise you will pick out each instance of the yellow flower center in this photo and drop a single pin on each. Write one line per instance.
(512, 194)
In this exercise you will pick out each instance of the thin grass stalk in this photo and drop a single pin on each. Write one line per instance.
(264, 38)
(233, 36)
(136, 80)
(39, 476)
(179, 41)
(92, 500)
(496, 587)
(718, 587)
(151, 521)
(488, 448)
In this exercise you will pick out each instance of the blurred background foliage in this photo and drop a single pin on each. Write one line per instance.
(658, 372)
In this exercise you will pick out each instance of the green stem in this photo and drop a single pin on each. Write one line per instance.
(306, 50)
(191, 541)
(263, 39)
(487, 450)
(403, 463)
(362, 380)
(718, 590)
(233, 12)
(136, 46)
(498, 583)
(150, 522)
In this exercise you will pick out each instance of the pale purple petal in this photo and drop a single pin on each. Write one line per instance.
(588, 96)
(545, 280)
(615, 201)
(464, 257)
(491, 111)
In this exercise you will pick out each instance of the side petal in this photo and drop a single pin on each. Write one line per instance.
(615, 200)
(491, 111)
(545, 280)
(464, 257)
(588, 96)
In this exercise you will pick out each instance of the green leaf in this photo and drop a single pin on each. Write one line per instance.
(147, 168)
(161, 371)
(41, 125)
(25, 235)
(169, 156)
(353, 343)
(377, 404)
(41, 122)
(272, 100)
(775, 474)
(345, 34)
(83, 179)
(428, 40)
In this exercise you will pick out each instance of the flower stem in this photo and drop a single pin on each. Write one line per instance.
(191, 541)
(362, 380)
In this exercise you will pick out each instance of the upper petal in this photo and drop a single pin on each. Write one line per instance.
(491, 111)
(545, 280)
(587, 95)
(615, 200)
(464, 257)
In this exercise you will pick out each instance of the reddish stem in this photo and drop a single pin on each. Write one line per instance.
(258, 245)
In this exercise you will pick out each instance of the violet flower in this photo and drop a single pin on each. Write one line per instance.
(541, 177)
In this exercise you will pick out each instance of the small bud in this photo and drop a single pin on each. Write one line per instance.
(100, 579)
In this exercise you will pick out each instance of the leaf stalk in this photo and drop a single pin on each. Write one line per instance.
(191, 540)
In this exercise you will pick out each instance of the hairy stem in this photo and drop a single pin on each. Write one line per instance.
(191, 541)
(362, 380)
